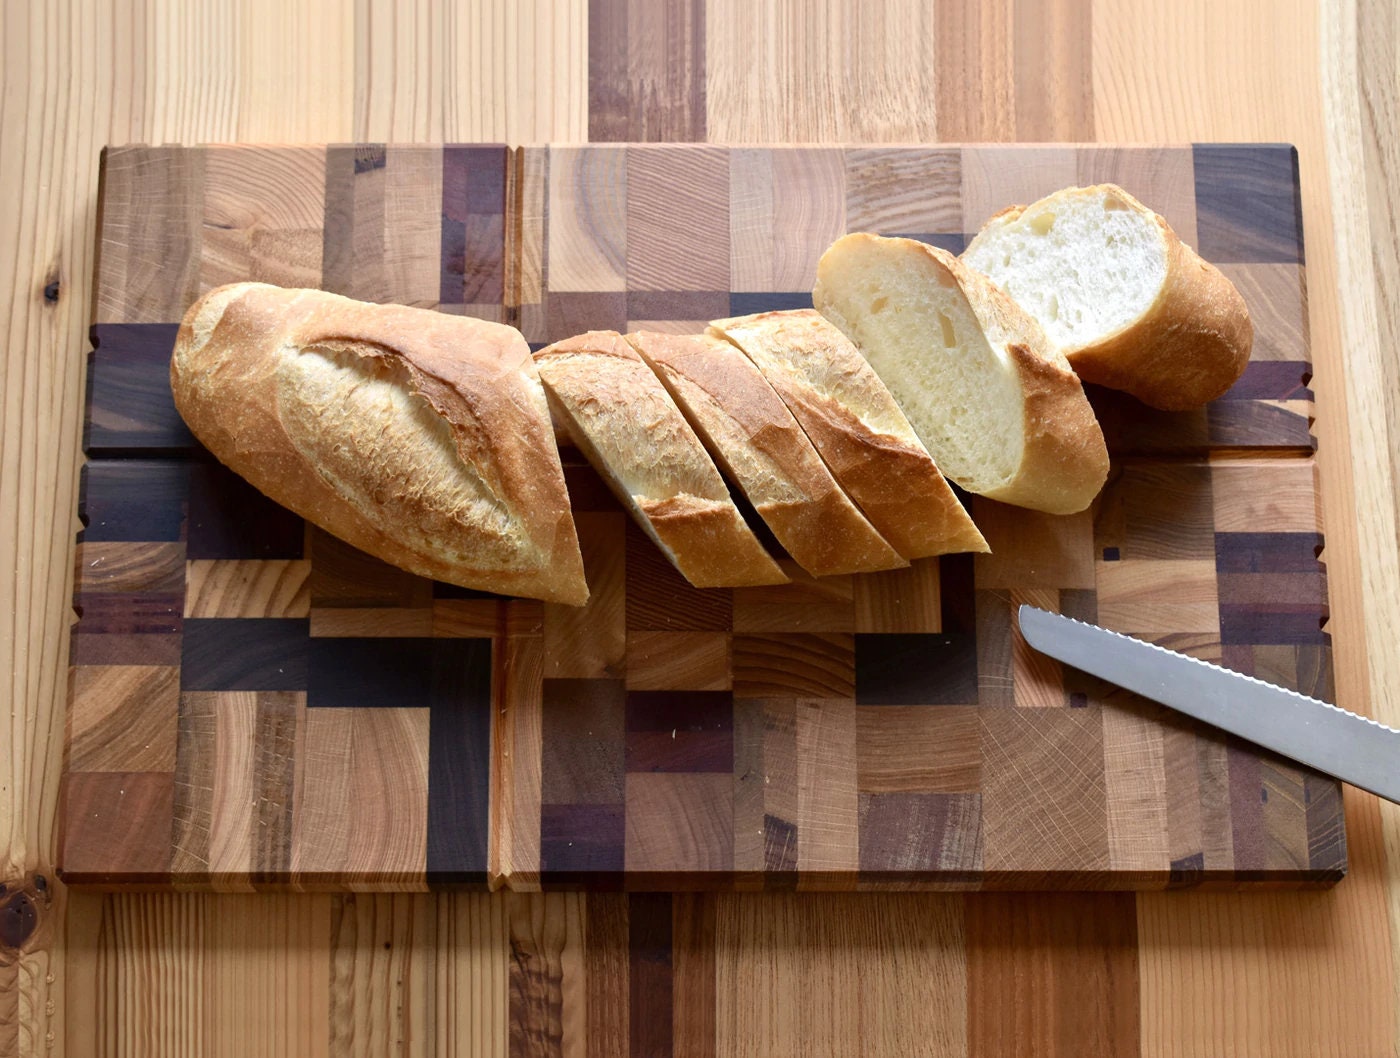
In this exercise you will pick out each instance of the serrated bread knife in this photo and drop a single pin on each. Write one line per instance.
(1341, 744)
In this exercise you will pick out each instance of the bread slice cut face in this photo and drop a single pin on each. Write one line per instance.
(994, 402)
(1130, 304)
(752, 435)
(620, 416)
(850, 417)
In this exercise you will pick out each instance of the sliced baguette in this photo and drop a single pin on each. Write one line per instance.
(753, 436)
(994, 402)
(857, 428)
(1130, 304)
(621, 418)
(419, 437)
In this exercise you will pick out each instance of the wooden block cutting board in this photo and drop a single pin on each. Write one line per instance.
(254, 704)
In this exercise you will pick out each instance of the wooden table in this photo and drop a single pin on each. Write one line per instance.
(1160, 974)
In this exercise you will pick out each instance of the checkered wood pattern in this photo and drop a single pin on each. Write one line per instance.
(254, 704)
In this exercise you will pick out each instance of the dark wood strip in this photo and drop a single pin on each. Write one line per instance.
(582, 845)
(1248, 207)
(606, 965)
(129, 405)
(583, 741)
(677, 304)
(1258, 424)
(484, 263)
(459, 760)
(1052, 975)
(455, 161)
(117, 827)
(133, 500)
(473, 224)
(338, 235)
(646, 70)
(1250, 841)
(651, 985)
(229, 518)
(244, 654)
(693, 954)
(122, 649)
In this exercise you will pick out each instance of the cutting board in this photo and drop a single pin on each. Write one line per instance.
(256, 705)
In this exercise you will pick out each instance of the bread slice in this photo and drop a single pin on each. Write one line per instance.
(620, 416)
(753, 436)
(419, 437)
(1128, 302)
(994, 402)
(857, 428)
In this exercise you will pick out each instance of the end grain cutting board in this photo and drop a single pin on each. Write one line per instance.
(254, 704)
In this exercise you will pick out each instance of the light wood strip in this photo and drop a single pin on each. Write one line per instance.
(1254, 76)
(1360, 99)
(455, 71)
(830, 72)
(891, 978)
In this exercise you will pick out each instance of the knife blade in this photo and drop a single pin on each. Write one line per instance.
(1355, 749)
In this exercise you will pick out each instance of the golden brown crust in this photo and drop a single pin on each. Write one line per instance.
(1065, 462)
(1190, 345)
(620, 416)
(387, 427)
(858, 429)
(750, 432)
(1187, 349)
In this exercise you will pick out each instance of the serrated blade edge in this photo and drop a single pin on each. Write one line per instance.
(1355, 749)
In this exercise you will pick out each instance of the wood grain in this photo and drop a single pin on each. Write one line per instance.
(1271, 87)
(1357, 90)
(891, 977)
(88, 74)
(1022, 950)
(181, 561)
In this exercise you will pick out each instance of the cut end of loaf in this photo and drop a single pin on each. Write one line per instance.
(1085, 262)
(620, 417)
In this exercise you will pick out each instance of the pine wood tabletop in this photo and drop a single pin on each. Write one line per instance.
(1168, 973)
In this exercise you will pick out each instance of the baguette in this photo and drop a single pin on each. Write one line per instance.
(620, 416)
(857, 429)
(995, 403)
(1132, 306)
(754, 437)
(419, 437)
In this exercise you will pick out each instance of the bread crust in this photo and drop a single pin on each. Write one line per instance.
(620, 416)
(1187, 348)
(1064, 461)
(857, 428)
(749, 430)
(419, 437)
